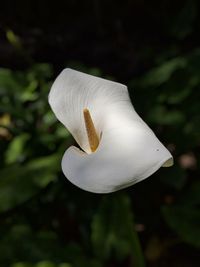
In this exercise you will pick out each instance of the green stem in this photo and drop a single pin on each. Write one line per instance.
(137, 256)
(128, 216)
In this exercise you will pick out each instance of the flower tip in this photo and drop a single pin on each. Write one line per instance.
(169, 162)
(85, 111)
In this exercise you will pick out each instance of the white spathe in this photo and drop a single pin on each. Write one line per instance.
(128, 151)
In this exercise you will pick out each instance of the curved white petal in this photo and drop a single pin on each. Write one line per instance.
(73, 91)
(124, 157)
(128, 151)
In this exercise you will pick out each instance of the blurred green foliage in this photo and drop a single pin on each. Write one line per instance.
(44, 220)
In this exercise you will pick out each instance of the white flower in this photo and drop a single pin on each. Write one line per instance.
(118, 148)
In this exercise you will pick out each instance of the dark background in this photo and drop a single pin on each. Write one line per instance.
(152, 47)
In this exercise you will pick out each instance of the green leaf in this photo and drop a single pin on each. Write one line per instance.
(13, 39)
(64, 265)
(18, 183)
(160, 115)
(45, 264)
(21, 264)
(162, 73)
(15, 149)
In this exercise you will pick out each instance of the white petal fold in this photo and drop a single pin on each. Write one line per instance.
(73, 91)
(128, 151)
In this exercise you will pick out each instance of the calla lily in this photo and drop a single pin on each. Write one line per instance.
(118, 149)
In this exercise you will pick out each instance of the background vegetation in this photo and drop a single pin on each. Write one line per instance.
(153, 47)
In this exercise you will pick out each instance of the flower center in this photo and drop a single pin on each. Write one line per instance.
(91, 131)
